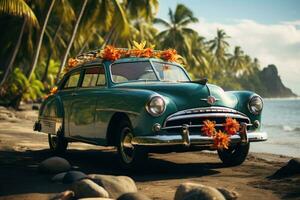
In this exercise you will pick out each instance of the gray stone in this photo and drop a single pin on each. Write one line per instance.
(133, 196)
(290, 169)
(193, 191)
(95, 198)
(73, 176)
(115, 185)
(66, 195)
(87, 188)
(59, 177)
(228, 194)
(54, 165)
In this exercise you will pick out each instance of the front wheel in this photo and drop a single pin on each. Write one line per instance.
(234, 155)
(130, 156)
(57, 143)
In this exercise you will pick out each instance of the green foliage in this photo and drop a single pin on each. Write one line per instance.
(18, 84)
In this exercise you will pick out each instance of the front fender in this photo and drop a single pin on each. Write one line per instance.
(243, 104)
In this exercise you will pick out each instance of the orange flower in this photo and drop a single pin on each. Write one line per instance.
(209, 128)
(221, 140)
(231, 126)
(72, 62)
(169, 55)
(147, 53)
(53, 90)
(111, 53)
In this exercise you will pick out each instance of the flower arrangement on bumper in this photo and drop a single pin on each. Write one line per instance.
(221, 138)
(138, 50)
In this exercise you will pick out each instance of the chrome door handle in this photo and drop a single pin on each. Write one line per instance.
(74, 94)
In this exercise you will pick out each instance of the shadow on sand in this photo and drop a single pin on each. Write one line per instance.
(19, 170)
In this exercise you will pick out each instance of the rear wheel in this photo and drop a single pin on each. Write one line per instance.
(234, 155)
(130, 156)
(57, 143)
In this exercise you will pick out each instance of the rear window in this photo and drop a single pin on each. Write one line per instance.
(94, 76)
(72, 81)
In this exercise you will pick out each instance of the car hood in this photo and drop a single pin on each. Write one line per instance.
(186, 95)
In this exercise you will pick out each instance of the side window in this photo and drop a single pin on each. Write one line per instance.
(72, 81)
(94, 76)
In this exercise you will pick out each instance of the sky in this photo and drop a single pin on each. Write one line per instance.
(266, 29)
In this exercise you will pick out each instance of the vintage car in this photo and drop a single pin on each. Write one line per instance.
(142, 105)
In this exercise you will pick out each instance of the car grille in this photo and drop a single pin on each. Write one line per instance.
(195, 117)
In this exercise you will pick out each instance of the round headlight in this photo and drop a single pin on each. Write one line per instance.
(255, 104)
(156, 106)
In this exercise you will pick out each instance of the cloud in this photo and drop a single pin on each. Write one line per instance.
(277, 44)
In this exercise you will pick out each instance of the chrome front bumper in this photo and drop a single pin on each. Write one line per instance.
(186, 139)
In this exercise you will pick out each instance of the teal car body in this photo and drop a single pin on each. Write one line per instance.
(90, 114)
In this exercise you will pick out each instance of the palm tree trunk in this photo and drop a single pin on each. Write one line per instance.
(64, 59)
(14, 54)
(44, 78)
(40, 41)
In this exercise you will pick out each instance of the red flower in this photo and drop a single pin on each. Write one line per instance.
(231, 126)
(111, 53)
(221, 140)
(209, 128)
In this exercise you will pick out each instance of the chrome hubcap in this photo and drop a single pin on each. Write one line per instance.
(127, 149)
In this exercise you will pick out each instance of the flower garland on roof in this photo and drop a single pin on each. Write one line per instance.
(138, 50)
(221, 138)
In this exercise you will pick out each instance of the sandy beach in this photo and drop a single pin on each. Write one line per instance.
(21, 150)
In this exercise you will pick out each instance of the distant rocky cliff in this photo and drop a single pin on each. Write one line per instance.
(265, 82)
(272, 82)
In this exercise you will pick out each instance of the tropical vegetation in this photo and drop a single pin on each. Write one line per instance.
(40, 36)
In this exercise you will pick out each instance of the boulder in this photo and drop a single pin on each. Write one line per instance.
(87, 188)
(58, 177)
(95, 198)
(54, 165)
(228, 194)
(66, 195)
(290, 169)
(115, 185)
(133, 196)
(73, 176)
(189, 191)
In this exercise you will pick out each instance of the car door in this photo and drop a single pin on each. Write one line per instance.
(82, 124)
(68, 94)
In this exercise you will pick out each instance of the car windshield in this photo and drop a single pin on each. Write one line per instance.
(143, 71)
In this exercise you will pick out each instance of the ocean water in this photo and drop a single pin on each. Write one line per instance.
(281, 120)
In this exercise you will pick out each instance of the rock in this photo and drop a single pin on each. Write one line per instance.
(189, 191)
(73, 176)
(133, 196)
(54, 165)
(66, 195)
(87, 188)
(228, 194)
(292, 168)
(59, 177)
(115, 185)
(95, 198)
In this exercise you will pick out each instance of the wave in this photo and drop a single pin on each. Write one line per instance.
(291, 129)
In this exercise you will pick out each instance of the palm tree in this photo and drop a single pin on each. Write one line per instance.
(237, 62)
(219, 46)
(40, 40)
(177, 32)
(17, 8)
(70, 43)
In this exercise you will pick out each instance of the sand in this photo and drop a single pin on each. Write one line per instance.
(21, 150)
